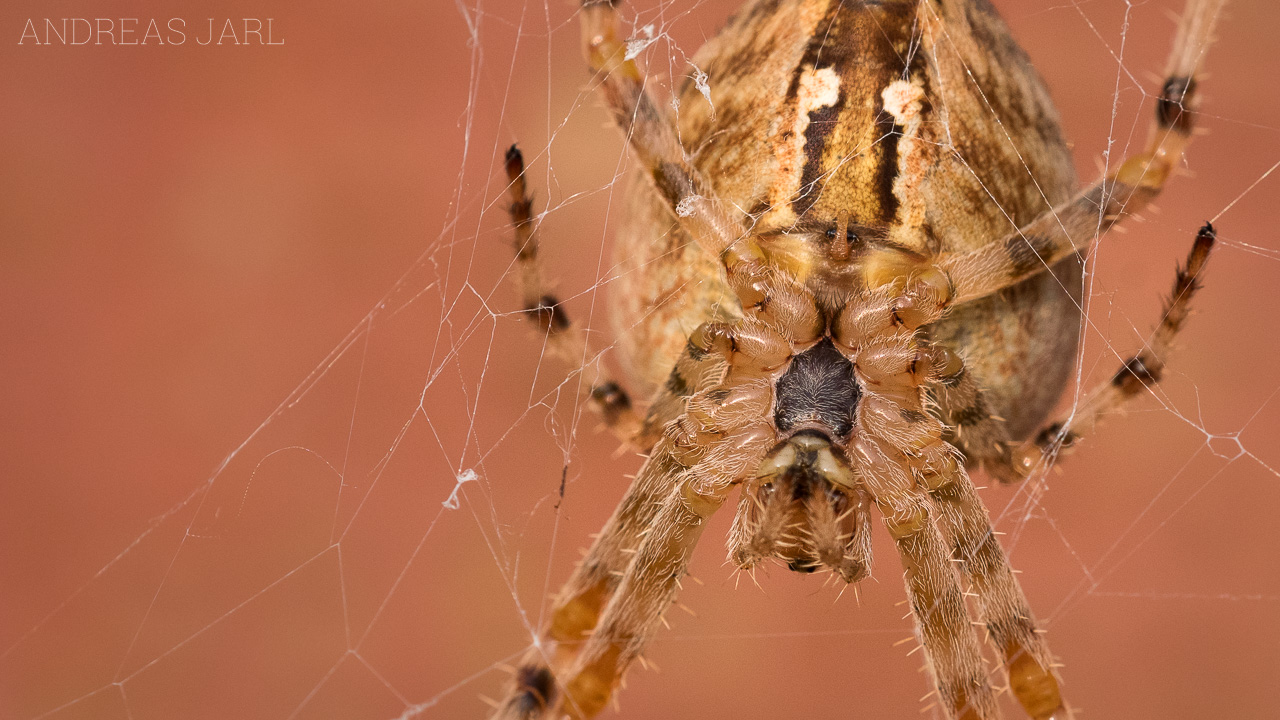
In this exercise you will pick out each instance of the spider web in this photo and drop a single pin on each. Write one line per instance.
(325, 223)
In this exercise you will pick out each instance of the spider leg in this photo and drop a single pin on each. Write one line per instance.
(565, 340)
(651, 132)
(652, 579)
(969, 424)
(952, 649)
(697, 368)
(1070, 227)
(1138, 374)
(964, 520)
(894, 441)
(1001, 603)
(918, 481)
(578, 606)
(718, 440)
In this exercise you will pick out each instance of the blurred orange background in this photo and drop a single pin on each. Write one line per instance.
(256, 327)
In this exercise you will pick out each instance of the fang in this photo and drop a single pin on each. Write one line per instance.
(806, 510)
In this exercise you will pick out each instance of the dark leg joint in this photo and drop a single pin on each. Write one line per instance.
(1054, 436)
(521, 214)
(1028, 253)
(676, 384)
(1205, 238)
(673, 183)
(953, 380)
(521, 208)
(551, 318)
(535, 689)
(1171, 110)
(1185, 282)
(1136, 374)
(1199, 252)
(611, 400)
(515, 162)
(693, 351)
(970, 416)
(911, 416)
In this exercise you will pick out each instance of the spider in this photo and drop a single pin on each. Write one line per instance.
(850, 275)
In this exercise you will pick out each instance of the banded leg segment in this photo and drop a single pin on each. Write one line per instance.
(719, 440)
(653, 578)
(968, 420)
(1070, 227)
(565, 340)
(1138, 374)
(651, 133)
(906, 458)
(602, 622)
(578, 607)
(942, 619)
(895, 441)
(1001, 602)
(981, 438)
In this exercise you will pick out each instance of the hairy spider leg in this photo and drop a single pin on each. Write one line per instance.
(942, 621)
(717, 442)
(576, 611)
(652, 579)
(1071, 226)
(969, 422)
(1001, 603)
(577, 608)
(651, 133)
(565, 340)
(1138, 374)
(918, 480)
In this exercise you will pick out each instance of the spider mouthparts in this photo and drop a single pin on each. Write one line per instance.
(808, 453)
(805, 510)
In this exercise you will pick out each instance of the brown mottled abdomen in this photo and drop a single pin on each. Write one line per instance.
(933, 131)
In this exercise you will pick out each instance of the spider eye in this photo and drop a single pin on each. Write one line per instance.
(850, 236)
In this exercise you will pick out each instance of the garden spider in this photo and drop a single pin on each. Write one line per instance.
(843, 284)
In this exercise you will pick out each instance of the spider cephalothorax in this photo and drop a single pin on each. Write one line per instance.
(843, 285)
(806, 504)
